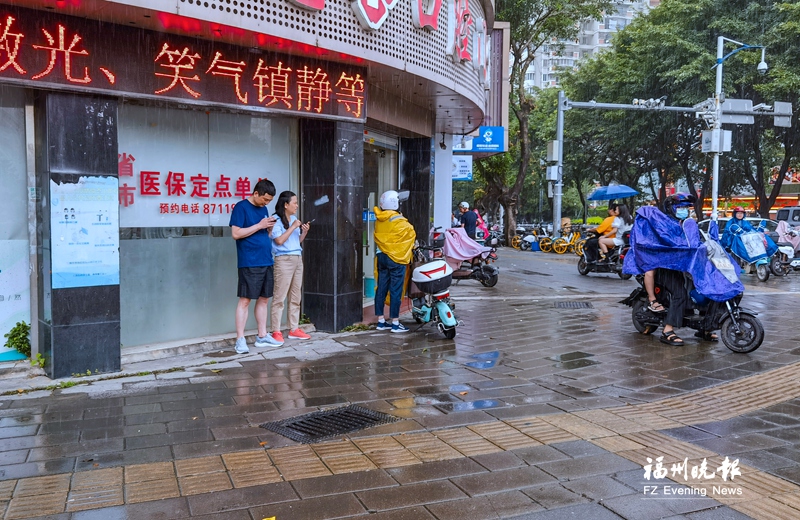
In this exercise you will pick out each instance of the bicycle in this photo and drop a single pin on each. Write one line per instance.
(571, 234)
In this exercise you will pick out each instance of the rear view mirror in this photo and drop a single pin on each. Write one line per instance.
(403, 195)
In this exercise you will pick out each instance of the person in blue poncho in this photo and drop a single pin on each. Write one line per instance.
(665, 242)
(738, 226)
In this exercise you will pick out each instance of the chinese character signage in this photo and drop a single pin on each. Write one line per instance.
(490, 139)
(462, 167)
(84, 221)
(48, 49)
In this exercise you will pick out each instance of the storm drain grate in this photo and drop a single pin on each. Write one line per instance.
(317, 426)
(573, 305)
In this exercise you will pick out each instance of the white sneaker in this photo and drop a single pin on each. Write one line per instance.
(241, 346)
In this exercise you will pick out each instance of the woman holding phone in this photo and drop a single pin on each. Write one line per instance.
(287, 236)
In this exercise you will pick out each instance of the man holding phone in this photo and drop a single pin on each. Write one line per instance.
(250, 226)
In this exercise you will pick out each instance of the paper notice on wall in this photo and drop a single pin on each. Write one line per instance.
(84, 221)
(15, 294)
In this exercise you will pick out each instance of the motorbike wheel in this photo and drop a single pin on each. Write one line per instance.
(624, 276)
(546, 244)
(560, 246)
(777, 267)
(450, 333)
(762, 272)
(642, 328)
(515, 241)
(491, 281)
(417, 319)
(750, 337)
(524, 245)
(584, 267)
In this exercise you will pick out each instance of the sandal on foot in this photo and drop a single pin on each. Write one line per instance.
(655, 306)
(706, 336)
(670, 338)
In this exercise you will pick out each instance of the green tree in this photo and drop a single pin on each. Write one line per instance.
(671, 52)
(533, 23)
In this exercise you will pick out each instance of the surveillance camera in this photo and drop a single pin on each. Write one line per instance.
(762, 68)
(443, 146)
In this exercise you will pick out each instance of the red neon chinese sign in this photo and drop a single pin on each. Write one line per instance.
(58, 50)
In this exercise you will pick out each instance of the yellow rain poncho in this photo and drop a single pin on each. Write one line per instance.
(394, 235)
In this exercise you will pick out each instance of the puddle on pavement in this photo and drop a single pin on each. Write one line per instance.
(221, 353)
(578, 363)
(569, 356)
(572, 360)
(484, 359)
(428, 390)
(480, 404)
(532, 273)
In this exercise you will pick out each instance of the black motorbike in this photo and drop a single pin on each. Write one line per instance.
(612, 263)
(740, 329)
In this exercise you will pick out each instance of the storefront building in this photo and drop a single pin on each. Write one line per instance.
(130, 129)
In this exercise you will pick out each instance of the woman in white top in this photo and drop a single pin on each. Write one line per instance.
(287, 235)
(621, 225)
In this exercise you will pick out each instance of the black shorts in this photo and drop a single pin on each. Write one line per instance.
(255, 282)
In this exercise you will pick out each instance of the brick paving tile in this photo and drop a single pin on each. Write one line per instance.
(409, 495)
(435, 471)
(348, 483)
(148, 490)
(42, 485)
(554, 496)
(467, 441)
(144, 472)
(406, 513)
(28, 506)
(199, 466)
(505, 480)
(500, 505)
(599, 487)
(588, 466)
(204, 483)
(232, 499)
(217, 447)
(499, 461)
(320, 508)
(586, 511)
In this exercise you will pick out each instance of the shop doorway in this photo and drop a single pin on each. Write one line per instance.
(380, 174)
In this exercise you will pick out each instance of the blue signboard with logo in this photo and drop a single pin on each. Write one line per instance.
(490, 139)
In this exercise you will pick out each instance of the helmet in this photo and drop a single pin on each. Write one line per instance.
(678, 200)
(464, 205)
(390, 200)
(738, 209)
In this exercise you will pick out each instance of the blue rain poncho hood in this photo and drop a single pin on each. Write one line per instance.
(659, 241)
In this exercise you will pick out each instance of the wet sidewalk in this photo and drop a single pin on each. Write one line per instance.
(546, 405)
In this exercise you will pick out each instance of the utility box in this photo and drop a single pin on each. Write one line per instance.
(552, 173)
(552, 151)
(716, 141)
(783, 114)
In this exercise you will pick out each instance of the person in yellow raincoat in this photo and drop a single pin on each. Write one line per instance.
(394, 238)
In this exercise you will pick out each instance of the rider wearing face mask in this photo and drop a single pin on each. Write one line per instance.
(677, 207)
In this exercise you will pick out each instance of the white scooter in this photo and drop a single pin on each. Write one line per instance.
(430, 287)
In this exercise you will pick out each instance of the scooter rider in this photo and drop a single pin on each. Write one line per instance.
(592, 247)
(677, 208)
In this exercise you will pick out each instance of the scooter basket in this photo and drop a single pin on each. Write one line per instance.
(435, 286)
(433, 277)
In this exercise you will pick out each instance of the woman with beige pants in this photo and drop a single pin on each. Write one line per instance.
(287, 236)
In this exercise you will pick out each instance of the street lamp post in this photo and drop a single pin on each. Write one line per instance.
(718, 99)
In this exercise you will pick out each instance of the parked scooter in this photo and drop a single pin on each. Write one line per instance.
(430, 288)
(740, 329)
(786, 259)
(468, 259)
(612, 263)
